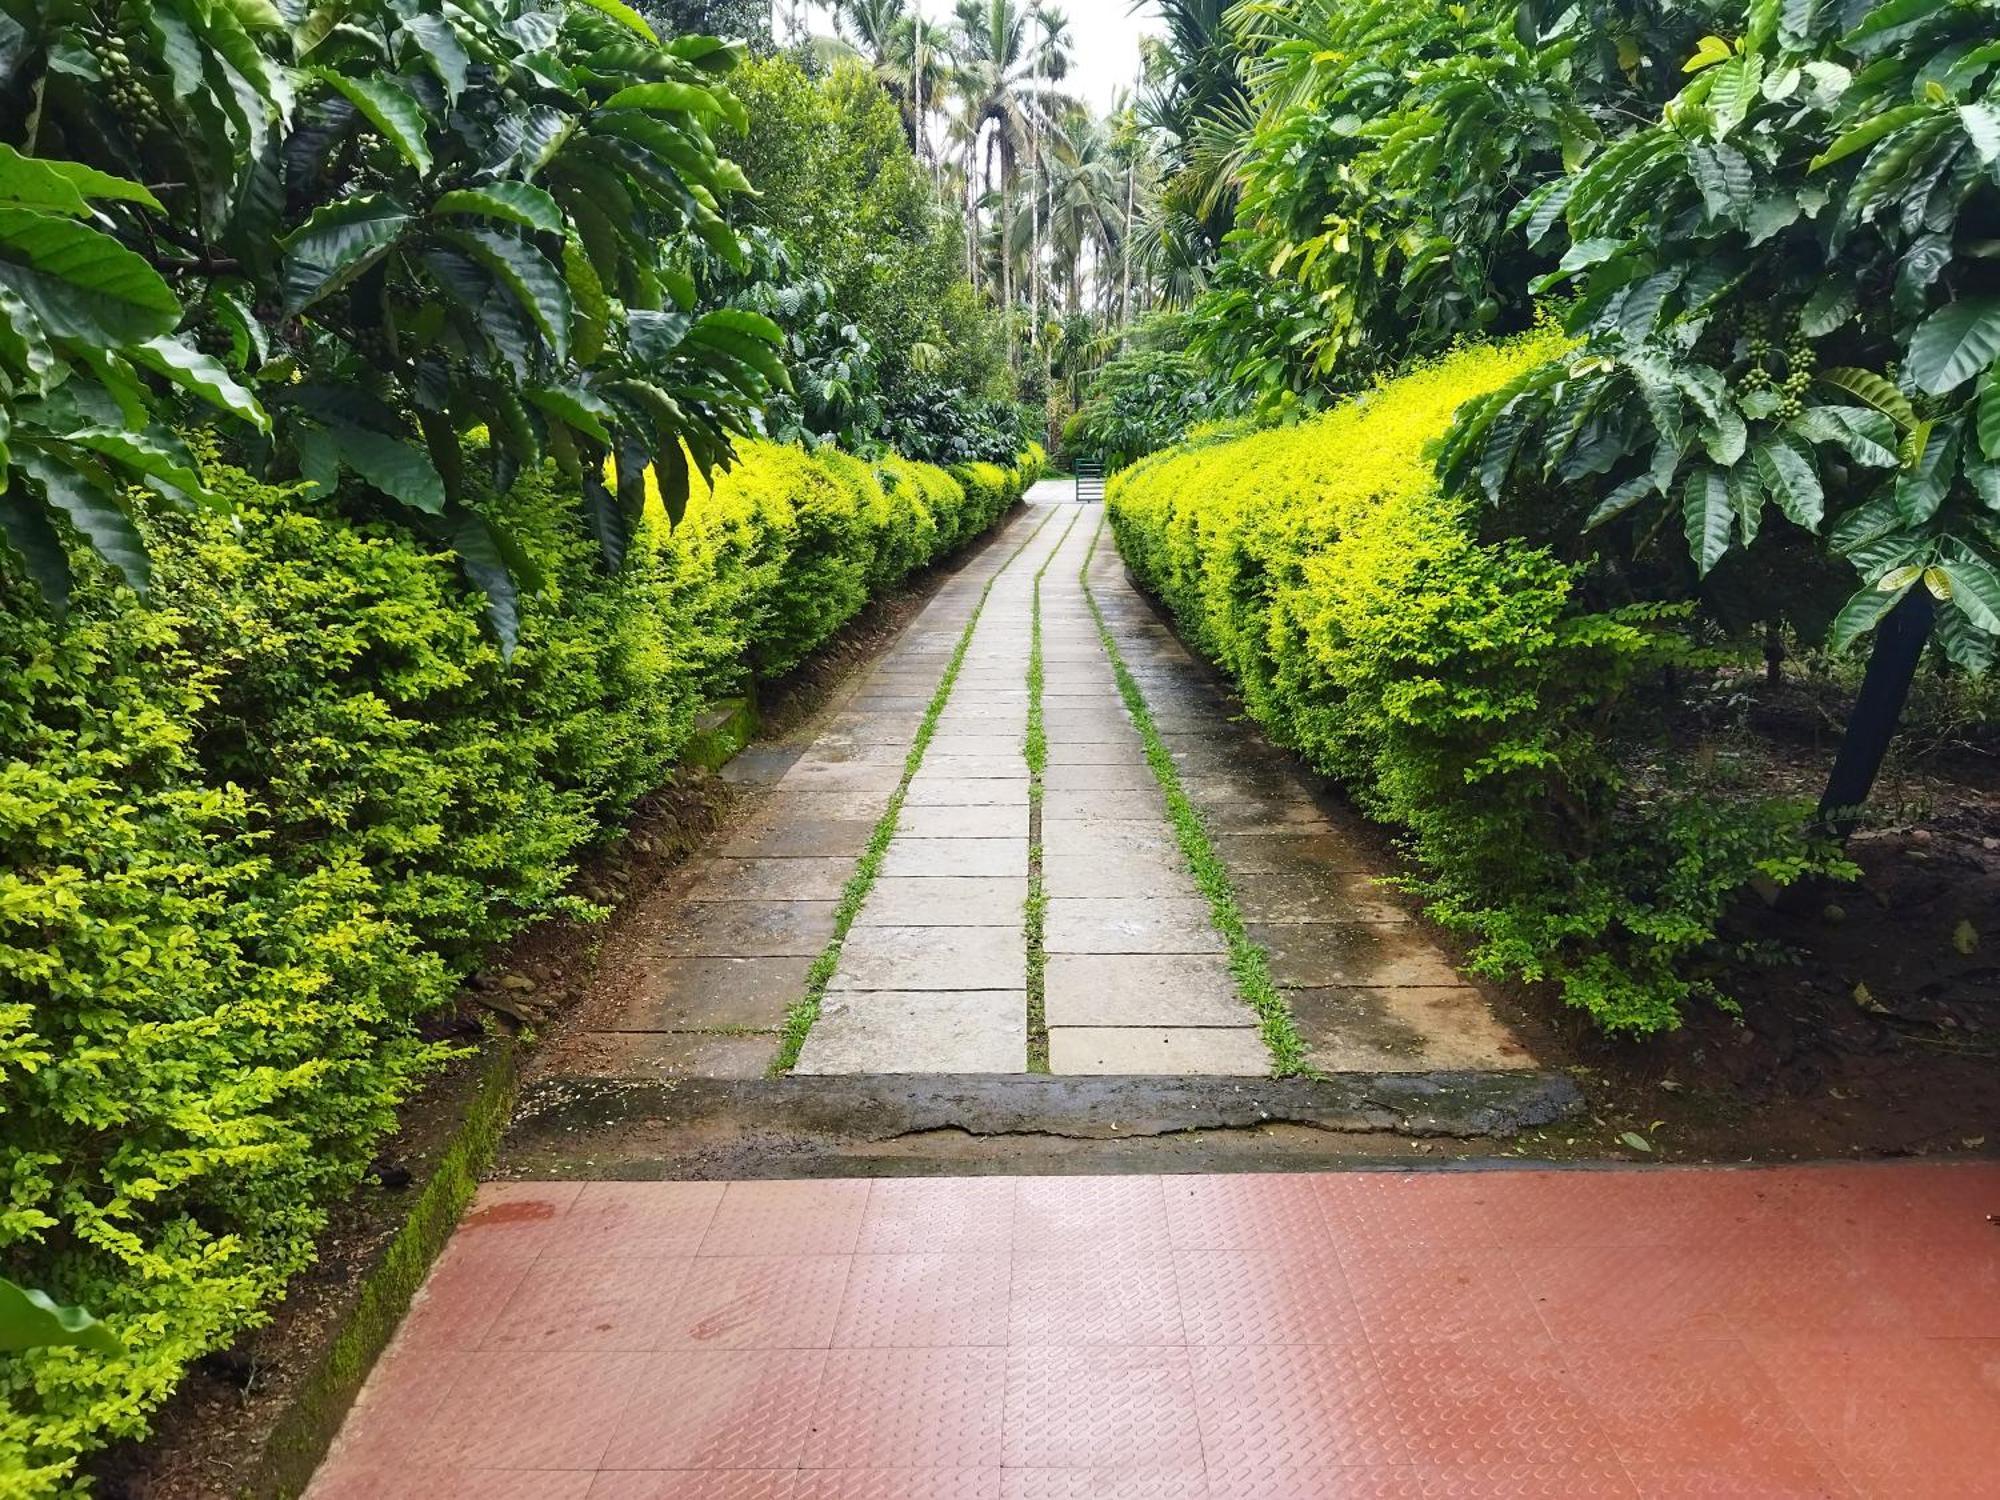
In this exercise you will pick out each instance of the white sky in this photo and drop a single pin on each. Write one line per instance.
(1107, 43)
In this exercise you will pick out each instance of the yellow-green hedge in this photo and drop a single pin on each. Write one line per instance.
(1456, 687)
(253, 829)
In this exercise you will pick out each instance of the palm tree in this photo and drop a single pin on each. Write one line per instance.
(1007, 58)
(907, 55)
(1198, 104)
(1086, 203)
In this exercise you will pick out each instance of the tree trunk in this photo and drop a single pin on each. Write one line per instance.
(1125, 248)
(1885, 688)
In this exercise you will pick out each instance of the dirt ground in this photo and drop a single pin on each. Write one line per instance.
(1877, 1030)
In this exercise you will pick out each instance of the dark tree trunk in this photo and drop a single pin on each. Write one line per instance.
(1885, 687)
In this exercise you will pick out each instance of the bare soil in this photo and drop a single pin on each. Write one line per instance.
(1876, 1031)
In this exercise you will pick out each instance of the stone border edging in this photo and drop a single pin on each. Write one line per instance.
(1248, 962)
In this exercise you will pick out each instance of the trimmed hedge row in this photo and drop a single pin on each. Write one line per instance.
(253, 829)
(1460, 690)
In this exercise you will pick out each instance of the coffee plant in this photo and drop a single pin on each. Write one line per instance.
(390, 241)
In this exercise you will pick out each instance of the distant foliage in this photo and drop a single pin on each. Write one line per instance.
(1143, 399)
(860, 264)
(1460, 689)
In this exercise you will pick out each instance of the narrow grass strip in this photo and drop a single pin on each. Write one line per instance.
(1247, 961)
(805, 1011)
(1036, 750)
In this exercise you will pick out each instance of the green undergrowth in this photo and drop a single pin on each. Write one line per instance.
(256, 826)
(1482, 696)
(1036, 751)
(1247, 961)
(804, 1013)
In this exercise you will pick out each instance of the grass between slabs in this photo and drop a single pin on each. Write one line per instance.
(1247, 961)
(800, 1018)
(1036, 750)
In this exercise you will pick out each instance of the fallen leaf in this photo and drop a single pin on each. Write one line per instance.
(1636, 1141)
(1965, 938)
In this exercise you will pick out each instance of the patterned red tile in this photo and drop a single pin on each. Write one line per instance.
(514, 1219)
(1253, 1211)
(1487, 1401)
(1429, 1208)
(1115, 1409)
(1718, 1481)
(1088, 1299)
(1100, 1484)
(696, 1484)
(1603, 1480)
(787, 1218)
(1426, 1293)
(461, 1299)
(1374, 1482)
(908, 1215)
(719, 1409)
(1804, 1292)
(924, 1301)
(404, 1481)
(1782, 1332)
(1058, 1215)
(756, 1302)
(1622, 1295)
(1265, 1297)
(1697, 1407)
(1269, 1411)
(531, 1411)
(1944, 1289)
(908, 1408)
(387, 1420)
(1904, 1417)
(637, 1220)
(898, 1484)
(588, 1306)
(1638, 1207)
(1932, 1202)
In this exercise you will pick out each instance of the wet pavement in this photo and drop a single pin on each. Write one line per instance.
(939, 973)
(1826, 1331)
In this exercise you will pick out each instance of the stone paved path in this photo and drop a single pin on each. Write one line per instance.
(940, 972)
(1793, 1331)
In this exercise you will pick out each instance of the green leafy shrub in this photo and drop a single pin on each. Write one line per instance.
(1787, 294)
(252, 829)
(1458, 688)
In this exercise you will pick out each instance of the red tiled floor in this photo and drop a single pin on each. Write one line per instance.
(925, 1301)
(1505, 1401)
(918, 1408)
(1265, 1297)
(696, 1484)
(1117, 1409)
(579, 1305)
(1791, 1332)
(1243, 1213)
(916, 1214)
(756, 1302)
(1089, 1299)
